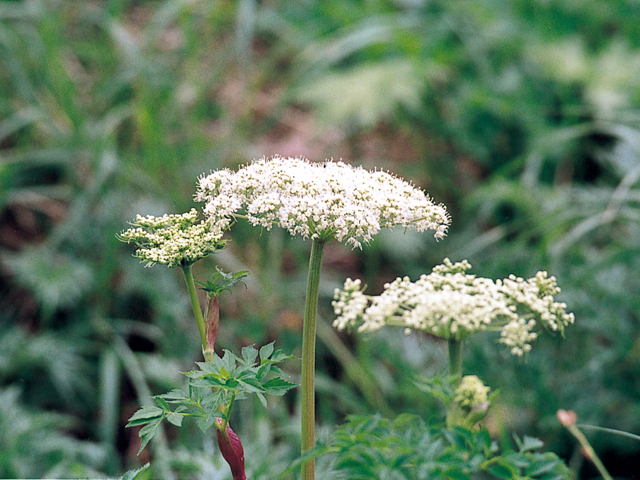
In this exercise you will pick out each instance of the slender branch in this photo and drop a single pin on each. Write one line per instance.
(609, 430)
(308, 355)
(588, 451)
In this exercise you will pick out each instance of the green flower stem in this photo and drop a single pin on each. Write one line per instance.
(195, 305)
(588, 450)
(455, 357)
(308, 355)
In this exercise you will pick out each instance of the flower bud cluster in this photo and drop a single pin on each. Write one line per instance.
(318, 200)
(453, 304)
(471, 393)
(173, 240)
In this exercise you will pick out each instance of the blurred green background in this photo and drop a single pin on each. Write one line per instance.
(522, 116)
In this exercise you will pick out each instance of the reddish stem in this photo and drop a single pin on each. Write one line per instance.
(212, 322)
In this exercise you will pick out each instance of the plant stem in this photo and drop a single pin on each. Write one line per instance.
(588, 451)
(195, 305)
(211, 325)
(455, 357)
(308, 355)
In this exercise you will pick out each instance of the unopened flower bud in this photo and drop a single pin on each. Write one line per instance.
(232, 451)
(567, 417)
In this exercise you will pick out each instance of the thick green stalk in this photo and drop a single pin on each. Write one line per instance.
(455, 357)
(195, 305)
(309, 355)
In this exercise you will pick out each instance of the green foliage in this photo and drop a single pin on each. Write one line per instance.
(372, 447)
(213, 388)
(137, 474)
(221, 281)
(53, 451)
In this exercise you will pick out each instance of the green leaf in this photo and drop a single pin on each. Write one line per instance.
(502, 469)
(227, 363)
(145, 415)
(277, 386)
(221, 281)
(263, 371)
(542, 464)
(175, 396)
(253, 385)
(175, 418)
(266, 351)
(147, 433)
(135, 474)
(249, 355)
(163, 403)
(280, 356)
(529, 443)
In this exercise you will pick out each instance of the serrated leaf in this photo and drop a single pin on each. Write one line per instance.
(175, 396)
(455, 473)
(249, 355)
(205, 423)
(266, 351)
(231, 383)
(147, 433)
(227, 363)
(175, 418)
(263, 371)
(134, 474)
(530, 443)
(278, 371)
(163, 403)
(205, 367)
(280, 356)
(542, 464)
(518, 459)
(254, 386)
(502, 469)
(202, 386)
(277, 386)
(145, 415)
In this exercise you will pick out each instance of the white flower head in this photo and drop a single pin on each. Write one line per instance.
(173, 240)
(453, 304)
(318, 200)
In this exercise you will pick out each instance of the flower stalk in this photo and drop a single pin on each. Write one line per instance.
(568, 420)
(207, 350)
(455, 357)
(309, 356)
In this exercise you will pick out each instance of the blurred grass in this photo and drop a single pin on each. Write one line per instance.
(523, 120)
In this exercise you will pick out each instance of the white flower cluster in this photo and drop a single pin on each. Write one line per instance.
(173, 240)
(318, 200)
(452, 304)
(471, 393)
